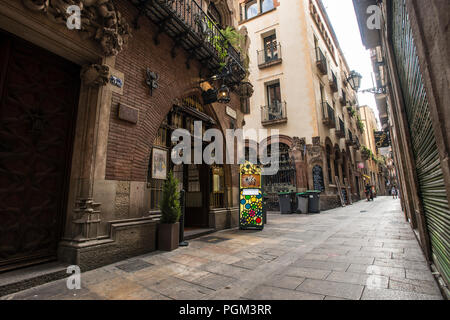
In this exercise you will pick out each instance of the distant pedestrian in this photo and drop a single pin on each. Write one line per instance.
(394, 192)
(368, 190)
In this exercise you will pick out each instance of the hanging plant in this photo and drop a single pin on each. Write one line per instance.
(351, 111)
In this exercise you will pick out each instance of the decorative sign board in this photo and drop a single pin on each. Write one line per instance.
(251, 197)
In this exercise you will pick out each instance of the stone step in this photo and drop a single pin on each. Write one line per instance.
(25, 278)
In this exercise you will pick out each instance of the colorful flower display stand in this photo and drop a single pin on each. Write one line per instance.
(251, 198)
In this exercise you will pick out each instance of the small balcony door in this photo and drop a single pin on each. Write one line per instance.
(270, 48)
(274, 101)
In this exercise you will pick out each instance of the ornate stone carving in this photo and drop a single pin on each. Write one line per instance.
(298, 143)
(99, 20)
(316, 141)
(94, 75)
(246, 90)
(314, 154)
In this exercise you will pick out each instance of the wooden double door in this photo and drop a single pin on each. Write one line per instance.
(39, 94)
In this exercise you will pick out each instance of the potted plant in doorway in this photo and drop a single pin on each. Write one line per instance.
(169, 227)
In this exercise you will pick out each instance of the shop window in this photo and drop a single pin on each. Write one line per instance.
(218, 187)
(156, 187)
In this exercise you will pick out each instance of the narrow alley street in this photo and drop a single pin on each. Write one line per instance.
(364, 251)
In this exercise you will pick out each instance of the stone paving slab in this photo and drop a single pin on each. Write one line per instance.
(271, 293)
(389, 294)
(364, 251)
(373, 281)
(331, 288)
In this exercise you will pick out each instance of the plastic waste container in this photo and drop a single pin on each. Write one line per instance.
(302, 202)
(265, 200)
(285, 201)
(313, 201)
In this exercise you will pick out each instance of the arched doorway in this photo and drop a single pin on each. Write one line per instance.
(204, 184)
(284, 180)
(318, 182)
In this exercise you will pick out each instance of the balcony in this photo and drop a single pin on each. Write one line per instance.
(192, 29)
(351, 140)
(270, 56)
(357, 144)
(333, 82)
(274, 113)
(343, 98)
(321, 61)
(340, 130)
(329, 117)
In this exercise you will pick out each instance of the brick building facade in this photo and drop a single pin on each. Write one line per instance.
(137, 76)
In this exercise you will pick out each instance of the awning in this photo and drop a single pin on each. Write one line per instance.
(367, 177)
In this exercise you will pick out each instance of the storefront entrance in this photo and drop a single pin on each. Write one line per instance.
(204, 185)
(39, 94)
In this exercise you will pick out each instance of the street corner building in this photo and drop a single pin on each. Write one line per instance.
(408, 40)
(304, 89)
(86, 117)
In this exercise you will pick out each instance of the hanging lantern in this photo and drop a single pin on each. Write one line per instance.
(355, 80)
(223, 94)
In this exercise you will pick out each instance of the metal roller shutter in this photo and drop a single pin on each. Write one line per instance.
(428, 166)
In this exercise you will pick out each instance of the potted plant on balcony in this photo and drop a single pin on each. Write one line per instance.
(366, 153)
(169, 227)
(360, 124)
(351, 111)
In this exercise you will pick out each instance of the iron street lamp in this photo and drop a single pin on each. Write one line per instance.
(354, 80)
(223, 94)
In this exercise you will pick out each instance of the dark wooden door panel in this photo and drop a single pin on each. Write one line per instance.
(38, 103)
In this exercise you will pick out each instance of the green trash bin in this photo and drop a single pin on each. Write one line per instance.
(285, 201)
(302, 202)
(313, 201)
(265, 200)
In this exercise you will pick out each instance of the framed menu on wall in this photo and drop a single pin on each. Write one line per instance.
(159, 164)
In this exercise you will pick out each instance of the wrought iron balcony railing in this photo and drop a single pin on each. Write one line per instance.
(329, 117)
(321, 61)
(333, 82)
(274, 113)
(351, 139)
(269, 56)
(340, 130)
(343, 98)
(192, 29)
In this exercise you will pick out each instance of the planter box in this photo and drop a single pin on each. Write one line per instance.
(168, 236)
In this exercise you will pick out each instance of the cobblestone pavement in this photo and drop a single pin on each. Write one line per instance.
(364, 251)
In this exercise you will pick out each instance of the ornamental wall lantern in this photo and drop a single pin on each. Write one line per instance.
(223, 94)
(354, 80)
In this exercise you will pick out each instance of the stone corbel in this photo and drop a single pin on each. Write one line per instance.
(95, 75)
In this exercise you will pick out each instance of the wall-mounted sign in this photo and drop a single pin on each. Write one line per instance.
(128, 113)
(231, 112)
(115, 81)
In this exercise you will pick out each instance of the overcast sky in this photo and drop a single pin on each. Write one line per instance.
(345, 25)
